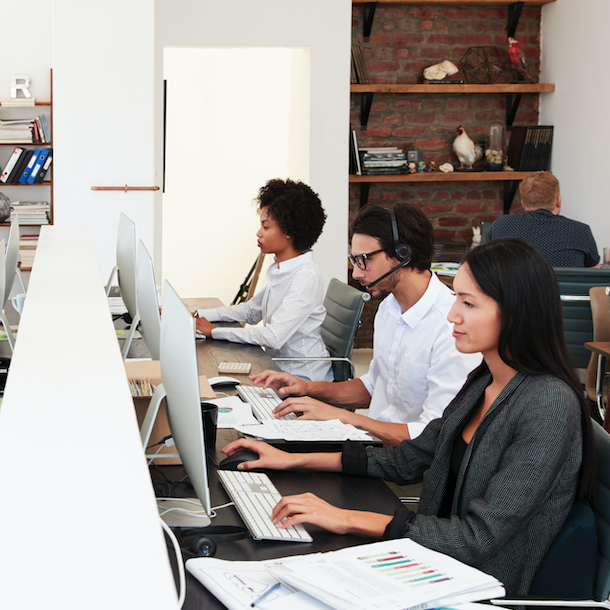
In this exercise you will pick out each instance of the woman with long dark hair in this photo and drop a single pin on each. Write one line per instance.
(503, 465)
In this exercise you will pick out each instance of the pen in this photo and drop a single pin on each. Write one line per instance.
(260, 599)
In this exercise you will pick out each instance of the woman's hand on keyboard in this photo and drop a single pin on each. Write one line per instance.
(284, 383)
(308, 508)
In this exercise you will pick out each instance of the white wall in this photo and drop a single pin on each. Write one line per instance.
(103, 76)
(323, 26)
(575, 50)
(220, 149)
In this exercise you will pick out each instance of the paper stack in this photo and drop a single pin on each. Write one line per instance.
(390, 575)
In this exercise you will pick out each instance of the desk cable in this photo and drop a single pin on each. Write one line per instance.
(181, 572)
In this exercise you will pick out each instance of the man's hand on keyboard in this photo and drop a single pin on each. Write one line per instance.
(309, 408)
(268, 456)
(284, 383)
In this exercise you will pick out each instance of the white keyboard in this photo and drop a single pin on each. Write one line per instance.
(255, 496)
(262, 402)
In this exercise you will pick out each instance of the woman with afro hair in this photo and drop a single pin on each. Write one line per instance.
(290, 305)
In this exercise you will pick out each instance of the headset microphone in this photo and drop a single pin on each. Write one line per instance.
(401, 250)
(385, 275)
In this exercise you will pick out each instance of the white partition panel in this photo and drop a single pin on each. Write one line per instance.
(79, 526)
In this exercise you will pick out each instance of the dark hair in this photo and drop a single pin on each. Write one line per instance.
(414, 230)
(296, 208)
(522, 282)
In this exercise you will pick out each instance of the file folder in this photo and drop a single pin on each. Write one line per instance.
(27, 170)
(42, 157)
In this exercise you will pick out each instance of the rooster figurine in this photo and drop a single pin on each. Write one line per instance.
(466, 150)
(517, 59)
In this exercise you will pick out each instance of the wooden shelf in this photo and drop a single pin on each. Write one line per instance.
(421, 88)
(438, 176)
(455, 2)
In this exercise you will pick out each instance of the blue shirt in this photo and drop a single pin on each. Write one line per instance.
(565, 242)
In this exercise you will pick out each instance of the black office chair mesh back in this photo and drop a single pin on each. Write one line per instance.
(576, 314)
(344, 306)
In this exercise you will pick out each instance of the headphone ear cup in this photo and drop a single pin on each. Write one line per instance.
(403, 253)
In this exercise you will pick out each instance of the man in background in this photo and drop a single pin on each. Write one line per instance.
(565, 242)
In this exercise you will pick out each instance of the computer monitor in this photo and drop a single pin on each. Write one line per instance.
(148, 303)
(127, 268)
(180, 387)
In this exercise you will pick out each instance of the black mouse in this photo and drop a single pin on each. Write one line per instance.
(230, 462)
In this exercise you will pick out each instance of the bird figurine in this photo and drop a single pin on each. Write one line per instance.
(517, 59)
(466, 150)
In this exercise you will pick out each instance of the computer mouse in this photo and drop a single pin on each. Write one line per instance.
(230, 462)
(214, 381)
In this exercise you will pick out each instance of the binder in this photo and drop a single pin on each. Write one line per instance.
(44, 169)
(25, 174)
(42, 157)
(21, 163)
(10, 165)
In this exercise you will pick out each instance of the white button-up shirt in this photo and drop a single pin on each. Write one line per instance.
(416, 370)
(290, 307)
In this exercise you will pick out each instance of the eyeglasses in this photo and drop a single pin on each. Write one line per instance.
(360, 259)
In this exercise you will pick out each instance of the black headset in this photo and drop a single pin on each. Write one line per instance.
(402, 251)
(203, 542)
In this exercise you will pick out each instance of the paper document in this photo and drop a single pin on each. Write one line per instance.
(233, 412)
(117, 307)
(297, 430)
(390, 575)
(238, 584)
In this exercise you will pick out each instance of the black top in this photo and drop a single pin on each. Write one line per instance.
(459, 449)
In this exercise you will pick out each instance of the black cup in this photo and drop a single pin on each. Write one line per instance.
(210, 421)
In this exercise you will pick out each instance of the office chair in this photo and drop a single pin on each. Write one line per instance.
(578, 562)
(600, 311)
(574, 285)
(148, 303)
(344, 306)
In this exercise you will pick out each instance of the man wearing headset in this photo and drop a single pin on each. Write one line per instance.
(416, 369)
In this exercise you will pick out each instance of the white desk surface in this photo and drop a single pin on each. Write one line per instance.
(79, 526)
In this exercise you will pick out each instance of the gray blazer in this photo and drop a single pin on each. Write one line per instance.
(516, 484)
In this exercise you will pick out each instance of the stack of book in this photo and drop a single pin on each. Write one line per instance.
(27, 250)
(529, 148)
(31, 212)
(384, 160)
(359, 73)
(25, 131)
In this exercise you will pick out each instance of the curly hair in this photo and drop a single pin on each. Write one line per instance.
(296, 208)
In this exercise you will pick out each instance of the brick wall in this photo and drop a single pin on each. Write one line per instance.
(404, 40)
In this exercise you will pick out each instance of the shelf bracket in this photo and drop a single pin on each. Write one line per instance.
(366, 101)
(510, 190)
(512, 105)
(364, 193)
(514, 13)
(369, 14)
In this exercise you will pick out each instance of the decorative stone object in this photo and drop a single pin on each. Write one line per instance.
(439, 71)
(5, 207)
(446, 168)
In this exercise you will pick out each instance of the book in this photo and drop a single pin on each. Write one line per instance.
(529, 148)
(446, 81)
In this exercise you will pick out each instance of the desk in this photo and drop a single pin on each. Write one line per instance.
(602, 349)
(358, 493)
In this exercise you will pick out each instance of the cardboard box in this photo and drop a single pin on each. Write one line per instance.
(150, 370)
